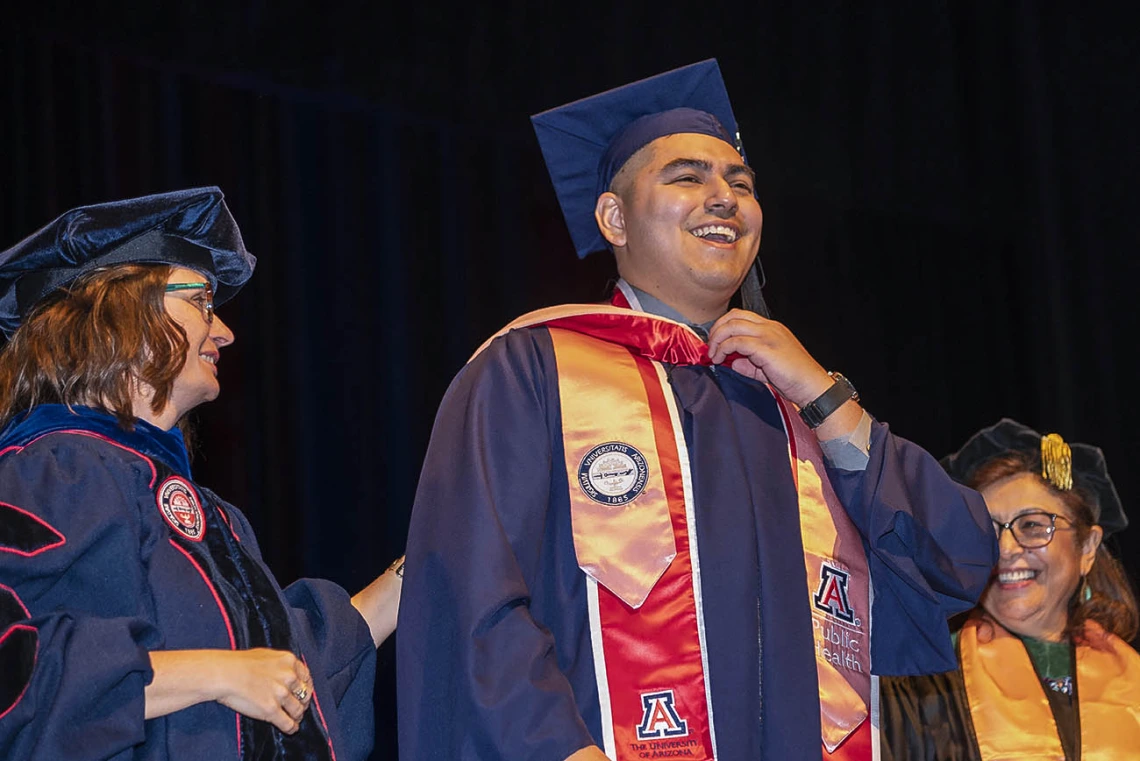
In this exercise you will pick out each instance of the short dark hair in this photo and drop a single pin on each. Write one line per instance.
(93, 342)
(1113, 602)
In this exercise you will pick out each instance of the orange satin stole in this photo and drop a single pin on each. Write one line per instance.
(627, 547)
(1010, 711)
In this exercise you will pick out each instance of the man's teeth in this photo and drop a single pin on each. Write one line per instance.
(209, 358)
(1010, 577)
(727, 232)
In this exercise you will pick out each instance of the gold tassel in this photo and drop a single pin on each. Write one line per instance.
(1056, 462)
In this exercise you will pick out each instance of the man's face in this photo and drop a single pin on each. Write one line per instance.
(689, 222)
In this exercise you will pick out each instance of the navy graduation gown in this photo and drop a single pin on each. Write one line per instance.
(494, 654)
(94, 578)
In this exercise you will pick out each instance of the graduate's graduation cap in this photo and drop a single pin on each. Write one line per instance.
(1064, 465)
(586, 143)
(186, 228)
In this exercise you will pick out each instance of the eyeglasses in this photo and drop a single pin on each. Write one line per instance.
(1031, 530)
(204, 300)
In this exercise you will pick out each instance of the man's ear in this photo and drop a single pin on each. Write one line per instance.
(610, 217)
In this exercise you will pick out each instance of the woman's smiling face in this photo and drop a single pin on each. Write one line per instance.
(1030, 591)
(205, 333)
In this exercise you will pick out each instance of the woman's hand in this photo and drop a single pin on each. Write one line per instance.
(379, 602)
(269, 685)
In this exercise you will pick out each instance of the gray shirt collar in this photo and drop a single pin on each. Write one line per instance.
(644, 302)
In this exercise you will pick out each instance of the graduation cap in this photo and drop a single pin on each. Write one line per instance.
(1064, 465)
(586, 142)
(186, 228)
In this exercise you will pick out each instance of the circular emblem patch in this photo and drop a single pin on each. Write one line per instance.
(613, 473)
(179, 505)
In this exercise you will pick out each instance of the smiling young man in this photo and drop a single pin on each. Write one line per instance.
(684, 222)
(651, 529)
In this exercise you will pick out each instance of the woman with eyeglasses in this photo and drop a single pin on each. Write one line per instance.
(137, 617)
(1045, 668)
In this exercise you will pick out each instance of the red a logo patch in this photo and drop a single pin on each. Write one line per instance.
(659, 718)
(831, 596)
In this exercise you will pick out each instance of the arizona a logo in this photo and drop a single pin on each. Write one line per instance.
(831, 596)
(659, 717)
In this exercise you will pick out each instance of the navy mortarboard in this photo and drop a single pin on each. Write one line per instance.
(1064, 465)
(187, 228)
(586, 143)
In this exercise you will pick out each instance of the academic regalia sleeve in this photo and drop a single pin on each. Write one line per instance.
(926, 718)
(343, 651)
(342, 640)
(338, 645)
(344, 643)
(74, 645)
(930, 551)
(477, 674)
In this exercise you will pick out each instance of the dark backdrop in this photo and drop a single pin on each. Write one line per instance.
(948, 187)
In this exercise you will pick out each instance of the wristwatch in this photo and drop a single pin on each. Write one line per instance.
(818, 410)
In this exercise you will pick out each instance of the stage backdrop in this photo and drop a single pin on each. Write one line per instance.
(948, 189)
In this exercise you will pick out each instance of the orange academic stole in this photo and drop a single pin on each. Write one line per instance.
(631, 526)
(839, 582)
(634, 536)
(1011, 714)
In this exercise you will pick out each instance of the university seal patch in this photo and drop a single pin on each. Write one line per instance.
(181, 509)
(613, 473)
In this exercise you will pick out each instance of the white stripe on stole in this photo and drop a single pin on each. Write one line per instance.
(691, 521)
(876, 751)
(610, 747)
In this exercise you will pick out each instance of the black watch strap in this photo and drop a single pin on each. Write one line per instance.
(818, 410)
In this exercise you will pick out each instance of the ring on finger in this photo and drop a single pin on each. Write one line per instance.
(301, 693)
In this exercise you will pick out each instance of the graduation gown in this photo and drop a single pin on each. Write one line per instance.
(494, 656)
(109, 550)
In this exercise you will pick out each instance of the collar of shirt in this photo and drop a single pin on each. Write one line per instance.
(643, 302)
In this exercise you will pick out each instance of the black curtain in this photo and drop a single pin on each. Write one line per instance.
(948, 195)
